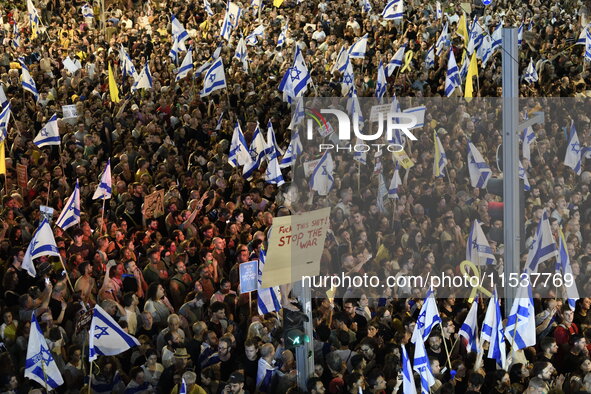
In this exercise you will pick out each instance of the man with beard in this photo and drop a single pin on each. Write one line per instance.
(435, 349)
(225, 289)
(180, 284)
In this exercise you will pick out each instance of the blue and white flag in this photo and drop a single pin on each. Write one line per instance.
(520, 34)
(358, 49)
(452, 77)
(366, 5)
(543, 248)
(144, 80)
(49, 134)
(273, 173)
(382, 189)
(422, 365)
(520, 330)
(360, 156)
(183, 389)
(233, 12)
(395, 183)
(16, 37)
(478, 249)
(408, 381)
(239, 154)
(396, 60)
(438, 11)
(587, 45)
(527, 138)
(186, 65)
(257, 34)
(5, 113)
(440, 158)
(27, 81)
(283, 34)
(42, 244)
(87, 11)
(497, 37)
(218, 125)
(241, 53)
(583, 35)
(104, 188)
(531, 75)
(71, 212)
(430, 57)
(257, 152)
(174, 51)
(479, 171)
(273, 149)
(178, 32)
(381, 84)
(573, 157)
(394, 10)
(493, 332)
(469, 329)
(563, 266)
(484, 53)
(427, 320)
(268, 298)
(476, 36)
(127, 67)
(348, 81)
(442, 40)
(298, 114)
(296, 79)
(523, 176)
(322, 178)
(106, 337)
(40, 365)
(33, 18)
(293, 150)
(207, 8)
(341, 61)
(214, 79)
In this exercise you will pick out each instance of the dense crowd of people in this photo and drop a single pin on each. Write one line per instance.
(172, 281)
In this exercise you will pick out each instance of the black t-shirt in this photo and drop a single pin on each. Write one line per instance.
(227, 367)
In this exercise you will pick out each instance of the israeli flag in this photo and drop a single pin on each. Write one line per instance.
(298, 114)
(583, 36)
(174, 51)
(186, 65)
(273, 149)
(422, 365)
(342, 61)
(531, 75)
(528, 137)
(366, 6)
(381, 84)
(218, 125)
(476, 36)
(484, 53)
(144, 80)
(394, 10)
(438, 11)
(207, 7)
(127, 67)
(479, 171)
(520, 329)
(469, 329)
(563, 265)
(493, 332)
(348, 81)
(452, 77)
(214, 79)
(233, 12)
(42, 244)
(257, 151)
(322, 178)
(395, 183)
(296, 79)
(241, 54)
(442, 40)
(543, 248)
(427, 320)
(497, 37)
(382, 190)
(253, 38)
(573, 157)
(359, 157)
(478, 249)
(106, 337)
(430, 57)
(103, 189)
(397, 136)
(71, 212)
(440, 159)
(523, 175)
(520, 34)
(16, 37)
(283, 34)
(273, 173)
(587, 46)
(408, 381)
(268, 298)
(239, 155)
(178, 32)
(87, 11)
(396, 60)
(27, 81)
(358, 49)
(49, 134)
(40, 365)
(293, 151)
(4, 119)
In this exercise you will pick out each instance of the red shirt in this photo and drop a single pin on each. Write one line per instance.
(562, 334)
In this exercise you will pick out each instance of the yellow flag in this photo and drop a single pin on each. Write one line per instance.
(462, 29)
(277, 3)
(2, 159)
(472, 71)
(113, 90)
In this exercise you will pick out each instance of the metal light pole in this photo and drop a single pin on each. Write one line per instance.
(304, 354)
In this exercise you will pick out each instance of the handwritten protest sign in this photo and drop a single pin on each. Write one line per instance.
(154, 204)
(21, 176)
(295, 247)
(249, 272)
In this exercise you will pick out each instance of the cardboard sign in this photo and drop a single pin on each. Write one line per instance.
(295, 247)
(46, 212)
(404, 160)
(383, 109)
(249, 276)
(83, 322)
(154, 204)
(22, 176)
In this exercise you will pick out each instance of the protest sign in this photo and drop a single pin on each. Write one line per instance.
(248, 276)
(154, 204)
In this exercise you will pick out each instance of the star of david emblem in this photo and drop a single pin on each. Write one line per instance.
(212, 77)
(294, 73)
(34, 243)
(421, 321)
(576, 147)
(44, 132)
(103, 331)
(347, 79)
(44, 355)
(324, 171)
(474, 244)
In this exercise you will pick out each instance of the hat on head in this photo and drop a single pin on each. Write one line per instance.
(181, 353)
(236, 377)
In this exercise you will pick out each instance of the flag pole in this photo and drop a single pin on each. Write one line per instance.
(89, 375)
(67, 276)
(446, 350)
(44, 374)
(103, 215)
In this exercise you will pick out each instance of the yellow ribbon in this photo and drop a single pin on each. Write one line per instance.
(473, 272)
(407, 58)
